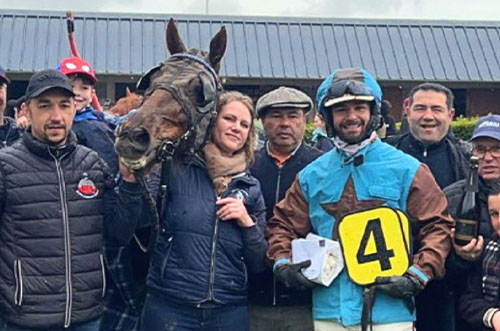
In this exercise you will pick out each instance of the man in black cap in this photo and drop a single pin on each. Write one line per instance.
(9, 131)
(56, 201)
(283, 114)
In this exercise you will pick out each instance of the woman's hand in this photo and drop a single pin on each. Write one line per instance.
(234, 208)
(495, 321)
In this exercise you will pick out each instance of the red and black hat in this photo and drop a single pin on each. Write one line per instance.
(77, 66)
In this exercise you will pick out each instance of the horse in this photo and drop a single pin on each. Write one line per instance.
(130, 101)
(179, 105)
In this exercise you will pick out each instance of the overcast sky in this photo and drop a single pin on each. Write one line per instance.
(404, 9)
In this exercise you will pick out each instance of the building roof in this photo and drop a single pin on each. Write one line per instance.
(260, 47)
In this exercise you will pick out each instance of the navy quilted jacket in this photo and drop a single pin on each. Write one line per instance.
(197, 257)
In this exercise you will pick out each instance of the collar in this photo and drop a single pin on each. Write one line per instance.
(417, 144)
(47, 151)
(279, 161)
(360, 153)
(352, 149)
(85, 114)
(8, 129)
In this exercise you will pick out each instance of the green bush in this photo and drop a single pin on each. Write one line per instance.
(463, 127)
(309, 132)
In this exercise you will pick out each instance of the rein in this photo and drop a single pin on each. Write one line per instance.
(197, 119)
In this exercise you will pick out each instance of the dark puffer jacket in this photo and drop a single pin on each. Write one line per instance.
(9, 132)
(51, 262)
(199, 258)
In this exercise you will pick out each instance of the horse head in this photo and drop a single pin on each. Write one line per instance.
(179, 104)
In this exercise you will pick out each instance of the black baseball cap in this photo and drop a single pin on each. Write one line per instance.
(45, 80)
(3, 76)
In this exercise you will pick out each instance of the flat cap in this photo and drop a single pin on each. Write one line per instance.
(284, 97)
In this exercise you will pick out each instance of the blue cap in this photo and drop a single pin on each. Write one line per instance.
(3, 76)
(487, 126)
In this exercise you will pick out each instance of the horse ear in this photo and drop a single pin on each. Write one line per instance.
(174, 41)
(218, 48)
(127, 91)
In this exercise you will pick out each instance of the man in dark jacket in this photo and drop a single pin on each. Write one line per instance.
(283, 114)
(56, 198)
(431, 141)
(9, 131)
(486, 146)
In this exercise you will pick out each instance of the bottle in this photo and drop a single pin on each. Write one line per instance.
(467, 225)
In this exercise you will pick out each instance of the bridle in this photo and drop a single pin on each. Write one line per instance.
(200, 119)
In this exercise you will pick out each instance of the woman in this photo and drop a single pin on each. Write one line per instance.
(211, 231)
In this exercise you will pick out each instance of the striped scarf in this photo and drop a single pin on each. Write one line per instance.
(491, 270)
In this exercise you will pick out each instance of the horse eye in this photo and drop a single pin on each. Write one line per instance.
(200, 97)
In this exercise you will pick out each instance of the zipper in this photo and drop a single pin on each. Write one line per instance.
(425, 152)
(4, 143)
(246, 271)
(212, 258)
(278, 183)
(164, 264)
(67, 244)
(18, 275)
(103, 276)
(276, 200)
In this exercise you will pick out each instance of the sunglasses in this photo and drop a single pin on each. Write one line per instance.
(352, 87)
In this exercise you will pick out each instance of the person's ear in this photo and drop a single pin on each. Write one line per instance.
(452, 113)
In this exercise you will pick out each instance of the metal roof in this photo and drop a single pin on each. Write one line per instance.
(260, 47)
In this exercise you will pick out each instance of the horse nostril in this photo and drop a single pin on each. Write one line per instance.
(141, 138)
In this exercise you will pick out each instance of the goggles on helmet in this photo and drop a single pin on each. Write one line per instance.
(347, 90)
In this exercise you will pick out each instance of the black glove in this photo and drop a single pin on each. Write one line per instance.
(405, 286)
(291, 275)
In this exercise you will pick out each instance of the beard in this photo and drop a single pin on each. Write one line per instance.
(349, 138)
(49, 139)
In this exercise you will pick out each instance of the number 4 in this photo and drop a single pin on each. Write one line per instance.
(382, 254)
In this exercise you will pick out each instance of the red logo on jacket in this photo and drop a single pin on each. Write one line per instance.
(86, 188)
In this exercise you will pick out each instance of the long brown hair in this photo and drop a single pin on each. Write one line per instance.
(230, 96)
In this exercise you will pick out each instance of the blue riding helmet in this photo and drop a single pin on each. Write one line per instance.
(345, 85)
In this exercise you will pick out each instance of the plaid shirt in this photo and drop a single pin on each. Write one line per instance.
(126, 293)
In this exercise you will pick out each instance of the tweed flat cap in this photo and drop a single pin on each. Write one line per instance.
(284, 97)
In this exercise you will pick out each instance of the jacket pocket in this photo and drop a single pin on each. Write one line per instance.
(384, 192)
(103, 275)
(167, 255)
(18, 277)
